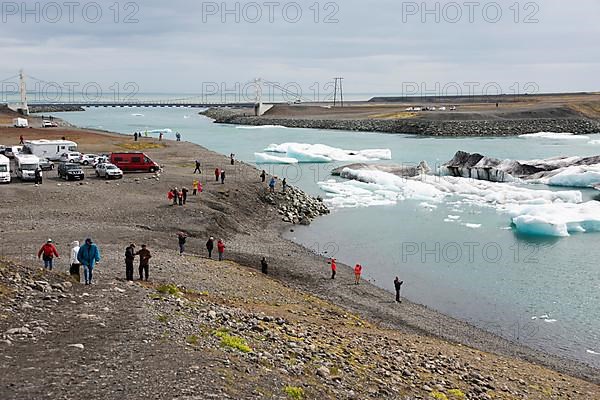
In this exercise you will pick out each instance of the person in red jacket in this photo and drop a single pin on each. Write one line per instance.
(47, 253)
(221, 249)
(217, 174)
(357, 272)
(333, 268)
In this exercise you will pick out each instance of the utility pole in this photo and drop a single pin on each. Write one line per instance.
(24, 108)
(338, 81)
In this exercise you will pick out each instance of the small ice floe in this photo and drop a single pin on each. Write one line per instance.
(545, 318)
(454, 217)
(137, 115)
(428, 206)
(472, 226)
(592, 352)
(555, 135)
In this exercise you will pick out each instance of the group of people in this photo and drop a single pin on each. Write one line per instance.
(144, 266)
(87, 256)
(179, 196)
(357, 274)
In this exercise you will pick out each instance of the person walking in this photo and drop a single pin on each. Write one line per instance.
(178, 136)
(221, 249)
(263, 176)
(145, 257)
(333, 268)
(129, 258)
(195, 187)
(47, 253)
(75, 265)
(184, 195)
(217, 174)
(88, 256)
(197, 167)
(272, 184)
(37, 175)
(210, 245)
(160, 137)
(223, 177)
(182, 238)
(264, 267)
(232, 158)
(398, 285)
(21, 140)
(284, 184)
(357, 273)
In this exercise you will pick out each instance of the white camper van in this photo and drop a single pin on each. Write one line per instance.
(25, 166)
(4, 169)
(50, 149)
(20, 123)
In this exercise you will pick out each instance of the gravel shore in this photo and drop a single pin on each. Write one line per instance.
(306, 333)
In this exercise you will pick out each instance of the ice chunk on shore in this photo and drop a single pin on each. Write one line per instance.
(304, 152)
(558, 219)
(264, 158)
(555, 135)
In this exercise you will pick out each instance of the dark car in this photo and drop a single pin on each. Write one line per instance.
(46, 165)
(70, 171)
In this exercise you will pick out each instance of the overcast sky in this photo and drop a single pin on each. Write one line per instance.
(379, 46)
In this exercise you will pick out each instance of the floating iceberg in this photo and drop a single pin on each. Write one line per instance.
(264, 158)
(577, 176)
(555, 135)
(137, 115)
(558, 219)
(320, 153)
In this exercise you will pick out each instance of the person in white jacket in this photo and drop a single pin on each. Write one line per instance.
(75, 265)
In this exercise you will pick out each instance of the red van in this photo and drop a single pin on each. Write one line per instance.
(134, 162)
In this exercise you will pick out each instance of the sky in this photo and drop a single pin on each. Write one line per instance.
(380, 46)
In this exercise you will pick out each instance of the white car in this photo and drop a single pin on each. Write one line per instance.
(49, 124)
(70, 157)
(12, 151)
(87, 159)
(108, 171)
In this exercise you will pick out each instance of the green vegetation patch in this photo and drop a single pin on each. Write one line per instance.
(294, 392)
(234, 342)
(169, 289)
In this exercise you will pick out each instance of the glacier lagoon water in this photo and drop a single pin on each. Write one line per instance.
(460, 259)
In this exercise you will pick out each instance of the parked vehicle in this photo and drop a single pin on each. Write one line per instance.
(70, 157)
(134, 162)
(49, 124)
(12, 151)
(108, 171)
(50, 149)
(46, 165)
(87, 159)
(20, 123)
(4, 169)
(25, 166)
(70, 171)
(2, 149)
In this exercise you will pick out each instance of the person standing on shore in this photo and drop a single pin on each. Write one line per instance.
(264, 267)
(175, 192)
(398, 285)
(333, 268)
(135, 137)
(88, 256)
(195, 187)
(180, 197)
(47, 253)
(197, 167)
(178, 136)
(263, 176)
(284, 184)
(160, 137)
(145, 257)
(75, 266)
(184, 195)
(221, 249)
(217, 174)
(129, 258)
(210, 245)
(182, 238)
(232, 158)
(223, 177)
(272, 184)
(37, 174)
(357, 273)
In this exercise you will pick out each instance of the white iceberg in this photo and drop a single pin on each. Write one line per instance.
(555, 135)
(557, 219)
(320, 153)
(575, 176)
(261, 127)
(264, 158)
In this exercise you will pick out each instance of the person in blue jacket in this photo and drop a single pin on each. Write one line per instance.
(88, 256)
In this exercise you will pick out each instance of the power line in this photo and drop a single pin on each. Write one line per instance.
(338, 82)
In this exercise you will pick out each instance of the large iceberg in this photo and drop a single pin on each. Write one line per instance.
(556, 219)
(576, 176)
(264, 158)
(320, 153)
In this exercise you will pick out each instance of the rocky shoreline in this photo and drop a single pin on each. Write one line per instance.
(34, 109)
(491, 127)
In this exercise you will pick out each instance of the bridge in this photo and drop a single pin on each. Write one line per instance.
(49, 95)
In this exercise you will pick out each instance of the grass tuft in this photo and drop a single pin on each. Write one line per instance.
(233, 342)
(138, 146)
(294, 392)
(169, 289)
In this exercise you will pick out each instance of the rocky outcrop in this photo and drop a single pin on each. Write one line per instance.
(296, 207)
(496, 127)
(54, 108)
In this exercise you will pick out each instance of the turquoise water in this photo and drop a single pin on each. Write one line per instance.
(489, 276)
